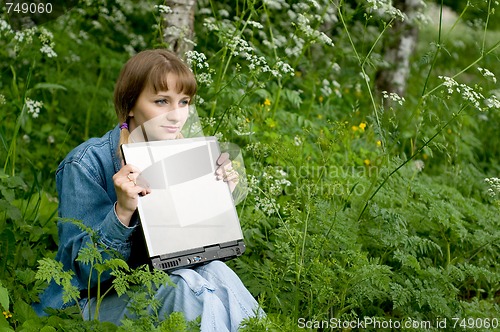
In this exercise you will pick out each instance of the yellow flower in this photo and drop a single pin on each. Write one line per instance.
(320, 116)
(267, 102)
(7, 314)
(354, 128)
(298, 73)
(366, 162)
(379, 143)
(362, 126)
(320, 98)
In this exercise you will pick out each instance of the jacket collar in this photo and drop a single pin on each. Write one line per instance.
(114, 139)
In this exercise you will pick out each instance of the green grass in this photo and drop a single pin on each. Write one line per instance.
(357, 207)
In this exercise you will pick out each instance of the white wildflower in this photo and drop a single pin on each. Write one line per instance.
(254, 147)
(33, 107)
(488, 74)
(449, 82)
(83, 35)
(204, 78)
(419, 165)
(199, 100)
(47, 49)
(198, 59)
(72, 57)
(282, 172)
(314, 4)
(492, 102)
(19, 36)
(326, 89)
(283, 68)
(494, 184)
(364, 76)
(266, 205)
(163, 9)
(45, 36)
(210, 24)
(243, 128)
(303, 23)
(223, 13)
(209, 121)
(129, 49)
(470, 95)
(393, 96)
(276, 4)
(255, 24)
(2, 99)
(385, 7)
(219, 135)
(5, 26)
(97, 25)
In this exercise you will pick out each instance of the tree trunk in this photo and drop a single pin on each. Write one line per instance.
(178, 26)
(399, 46)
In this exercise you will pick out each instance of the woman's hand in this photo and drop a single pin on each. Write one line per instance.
(226, 172)
(127, 192)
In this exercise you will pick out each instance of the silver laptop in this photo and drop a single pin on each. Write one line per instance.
(189, 218)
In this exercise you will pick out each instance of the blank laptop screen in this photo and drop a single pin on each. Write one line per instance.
(188, 207)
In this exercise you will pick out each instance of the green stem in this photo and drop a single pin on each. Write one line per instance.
(12, 149)
(362, 66)
(407, 161)
(223, 68)
(99, 297)
(494, 47)
(486, 27)
(436, 53)
(91, 105)
(439, 43)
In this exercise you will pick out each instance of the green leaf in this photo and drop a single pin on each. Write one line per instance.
(49, 86)
(4, 325)
(24, 311)
(4, 298)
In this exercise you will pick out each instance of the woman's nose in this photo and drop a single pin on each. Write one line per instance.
(174, 115)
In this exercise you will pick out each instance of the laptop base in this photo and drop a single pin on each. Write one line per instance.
(189, 258)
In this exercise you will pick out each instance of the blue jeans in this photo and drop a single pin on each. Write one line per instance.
(212, 291)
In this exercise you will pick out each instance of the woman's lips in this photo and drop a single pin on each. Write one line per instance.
(171, 129)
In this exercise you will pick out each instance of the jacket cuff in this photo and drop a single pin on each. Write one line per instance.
(114, 234)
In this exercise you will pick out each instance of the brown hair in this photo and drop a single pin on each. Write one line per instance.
(150, 67)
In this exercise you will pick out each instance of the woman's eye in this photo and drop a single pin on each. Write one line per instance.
(161, 102)
(184, 102)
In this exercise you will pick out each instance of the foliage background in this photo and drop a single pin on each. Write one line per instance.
(361, 204)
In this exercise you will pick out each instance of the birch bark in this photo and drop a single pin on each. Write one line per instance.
(178, 26)
(398, 49)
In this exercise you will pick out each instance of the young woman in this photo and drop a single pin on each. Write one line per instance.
(94, 186)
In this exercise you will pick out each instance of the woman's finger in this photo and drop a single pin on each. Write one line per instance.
(223, 158)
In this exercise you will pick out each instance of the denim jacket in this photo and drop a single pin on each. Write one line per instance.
(86, 193)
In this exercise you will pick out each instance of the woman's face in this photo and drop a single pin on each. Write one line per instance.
(163, 113)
